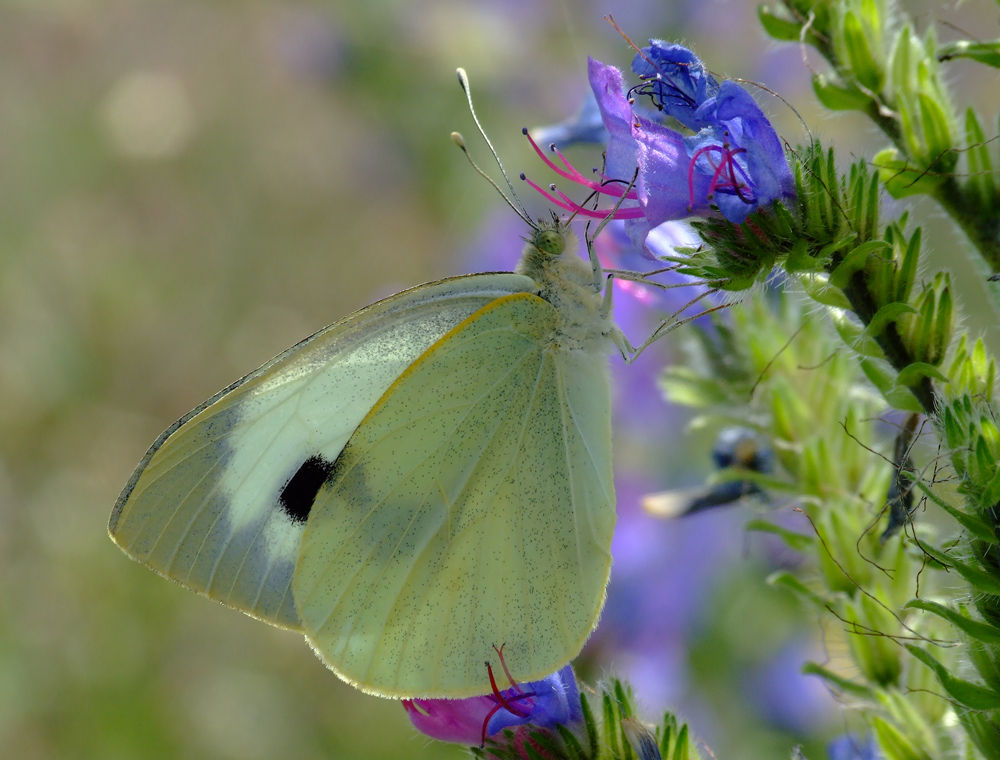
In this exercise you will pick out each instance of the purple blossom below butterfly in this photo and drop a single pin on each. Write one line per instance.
(544, 704)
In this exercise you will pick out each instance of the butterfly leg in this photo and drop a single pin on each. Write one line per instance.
(621, 341)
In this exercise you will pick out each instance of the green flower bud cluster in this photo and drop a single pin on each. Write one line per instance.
(927, 329)
(969, 428)
(927, 120)
(786, 374)
(851, 35)
(982, 190)
(900, 330)
(907, 736)
(858, 42)
(831, 239)
(904, 93)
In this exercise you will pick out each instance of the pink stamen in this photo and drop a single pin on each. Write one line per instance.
(726, 164)
(714, 184)
(497, 708)
(694, 160)
(573, 174)
(486, 722)
(502, 702)
(503, 664)
(633, 212)
(732, 176)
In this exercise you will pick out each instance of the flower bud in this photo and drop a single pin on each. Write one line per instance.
(860, 49)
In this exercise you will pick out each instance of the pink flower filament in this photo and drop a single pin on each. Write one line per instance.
(724, 176)
(606, 187)
(506, 702)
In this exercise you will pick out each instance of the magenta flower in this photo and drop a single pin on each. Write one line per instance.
(734, 162)
(555, 700)
(450, 720)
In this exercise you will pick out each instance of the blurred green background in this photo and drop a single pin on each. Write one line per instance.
(187, 188)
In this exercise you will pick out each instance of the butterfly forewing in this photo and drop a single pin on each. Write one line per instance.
(473, 507)
(220, 501)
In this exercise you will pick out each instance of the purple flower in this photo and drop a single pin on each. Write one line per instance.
(555, 700)
(744, 152)
(850, 747)
(583, 128)
(655, 174)
(675, 81)
(450, 720)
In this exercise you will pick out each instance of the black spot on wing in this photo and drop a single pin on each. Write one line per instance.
(299, 494)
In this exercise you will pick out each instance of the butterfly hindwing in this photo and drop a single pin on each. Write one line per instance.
(472, 507)
(219, 503)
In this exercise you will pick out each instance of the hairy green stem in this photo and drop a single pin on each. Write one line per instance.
(983, 230)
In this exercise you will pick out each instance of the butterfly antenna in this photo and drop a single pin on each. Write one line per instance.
(463, 79)
(460, 142)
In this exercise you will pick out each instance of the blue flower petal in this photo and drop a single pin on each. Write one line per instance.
(556, 702)
(584, 128)
(676, 81)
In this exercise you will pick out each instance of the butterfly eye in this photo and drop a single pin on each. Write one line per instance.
(550, 241)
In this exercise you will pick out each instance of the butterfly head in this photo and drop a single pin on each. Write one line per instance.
(550, 238)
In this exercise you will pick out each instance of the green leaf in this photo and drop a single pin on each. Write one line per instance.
(846, 686)
(907, 274)
(937, 131)
(682, 748)
(797, 541)
(901, 64)
(902, 178)
(544, 744)
(973, 628)
(611, 726)
(981, 184)
(533, 754)
(912, 374)
(780, 28)
(894, 744)
(855, 260)
(964, 692)
(855, 337)
(791, 582)
(574, 750)
(983, 52)
(859, 56)
(980, 580)
(976, 526)
(984, 731)
(887, 315)
(593, 737)
(867, 194)
(991, 494)
(838, 97)
(803, 258)
(818, 288)
(883, 377)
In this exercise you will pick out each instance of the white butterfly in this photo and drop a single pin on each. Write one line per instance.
(410, 486)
